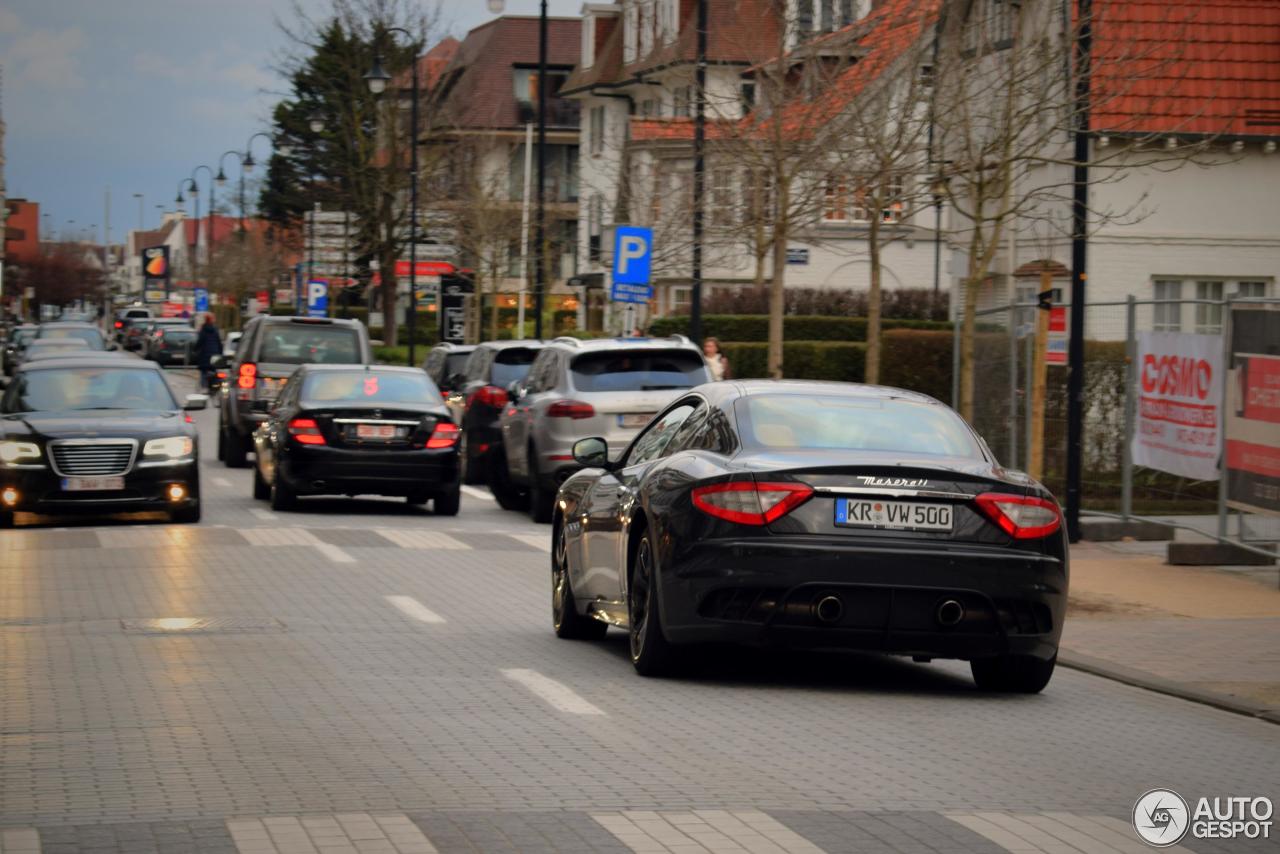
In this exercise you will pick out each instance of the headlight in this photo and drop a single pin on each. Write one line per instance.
(171, 447)
(16, 452)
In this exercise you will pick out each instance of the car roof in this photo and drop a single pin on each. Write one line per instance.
(77, 361)
(816, 387)
(58, 342)
(68, 324)
(307, 321)
(531, 343)
(314, 368)
(598, 345)
(454, 348)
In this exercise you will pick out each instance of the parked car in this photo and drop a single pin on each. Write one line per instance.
(805, 514)
(350, 430)
(169, 345)
(482, 392)
(445, 362)
(15, 344)
(271, 349)
(88, 333)
(604, 387)
(95, 433)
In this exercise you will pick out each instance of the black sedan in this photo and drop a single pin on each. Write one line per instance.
(96, 434)
(357, 430)
(813, 515)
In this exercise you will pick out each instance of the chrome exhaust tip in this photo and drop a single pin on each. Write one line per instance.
(829, 609)
(949, 613)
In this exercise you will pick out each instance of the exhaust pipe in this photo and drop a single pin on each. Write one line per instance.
(949, 613)
(829, 609)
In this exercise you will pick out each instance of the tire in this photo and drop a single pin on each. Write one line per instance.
(508, 495)
(565, 619)
(187, 515)
(222, 448)
(282, 496)
(472, 470)
(261, 489)
(651, 654)
(236, 450)
(1013, 674)
(448, 503)
(540, 503)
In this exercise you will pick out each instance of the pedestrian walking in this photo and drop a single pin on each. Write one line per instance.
(208, 345)
(716, 361)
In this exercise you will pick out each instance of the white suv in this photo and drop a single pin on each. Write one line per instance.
(576, 389)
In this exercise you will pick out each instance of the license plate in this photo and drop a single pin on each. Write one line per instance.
(635, 419)
(92, 484)
(895, 515)
(376, 431)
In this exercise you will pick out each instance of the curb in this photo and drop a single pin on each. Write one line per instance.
(1149, 682)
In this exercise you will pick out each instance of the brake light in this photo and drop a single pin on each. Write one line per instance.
(1020, 516)
(248, 375)
(119, 324)
(489, 395)
(444, 436)
(222, 375)
(575, 409)
(749, 503)
(305, 431)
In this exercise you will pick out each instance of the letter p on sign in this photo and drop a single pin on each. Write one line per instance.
(632, 255)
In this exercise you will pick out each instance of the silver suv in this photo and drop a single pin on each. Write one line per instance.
(576, 389)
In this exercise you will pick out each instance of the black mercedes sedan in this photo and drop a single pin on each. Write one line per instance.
(812, 515)
(357, 430)
(96, 434)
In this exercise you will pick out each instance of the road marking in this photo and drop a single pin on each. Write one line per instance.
(264, 515)
(223, 482)
(334, 553)
(20, 840)
(474, 492)
(421, 539)
(703, 830)
(279, 537)
(411, 607)
(341, 832)
(560, 697)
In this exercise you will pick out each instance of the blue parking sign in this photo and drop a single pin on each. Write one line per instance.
(317, 298)
(632, 264)
(202, 299)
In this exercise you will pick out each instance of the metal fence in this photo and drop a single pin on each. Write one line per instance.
(1111, 483)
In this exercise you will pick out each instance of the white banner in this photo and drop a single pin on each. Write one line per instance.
(1179, 423)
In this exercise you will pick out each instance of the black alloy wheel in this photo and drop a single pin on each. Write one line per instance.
(565, 619)
(651, 654)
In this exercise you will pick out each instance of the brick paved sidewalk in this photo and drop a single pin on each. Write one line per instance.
(1206, 633)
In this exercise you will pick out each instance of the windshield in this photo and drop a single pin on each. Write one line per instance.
(304, 343)
(792, 421)
(91, 337)
(179, 335)
(638, 370)
(511, 365)
(57, 389)
(369, 387)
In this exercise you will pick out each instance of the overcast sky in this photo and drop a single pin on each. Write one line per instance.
(133, 94)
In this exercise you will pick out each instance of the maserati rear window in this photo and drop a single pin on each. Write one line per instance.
(844, 423)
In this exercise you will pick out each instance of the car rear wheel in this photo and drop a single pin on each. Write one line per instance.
(235, 450)
(541, 503)
(565, 619)
(508, 495)
(472, 469)
(1014, 674)
(448, 503)
(261, 489)
(651, 654)
(282, 496)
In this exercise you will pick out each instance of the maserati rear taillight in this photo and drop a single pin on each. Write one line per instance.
(574, 409)
(1020, 516)
(750, 503)
(305, 431)
(444, 436)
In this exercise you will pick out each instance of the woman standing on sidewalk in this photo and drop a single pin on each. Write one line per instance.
(717, 364)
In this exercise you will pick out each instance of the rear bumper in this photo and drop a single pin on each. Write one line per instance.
(335, 471)
(767, 593)
(40, 491)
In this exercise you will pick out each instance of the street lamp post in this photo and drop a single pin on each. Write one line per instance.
(221, 181)
(189, 184)
(195, 193)
(540, 229)
(377, 79)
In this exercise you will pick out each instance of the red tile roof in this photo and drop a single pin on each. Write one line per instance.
(430, 65)
(1202, 67)
(654, 130)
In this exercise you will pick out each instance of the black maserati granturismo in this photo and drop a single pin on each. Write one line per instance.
(812, 515)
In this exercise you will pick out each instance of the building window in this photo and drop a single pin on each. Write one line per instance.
(835, 206)
(748, 97)
(682, 98)
(864, 197)
(595, 126)
(680, 298)
(1251, 290)
(722, 197)
(1209, 317)
(1168, 316)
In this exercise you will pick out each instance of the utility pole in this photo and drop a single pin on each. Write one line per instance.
(540, 249)
(1079, 274)
(1039, 371)
(699, 173)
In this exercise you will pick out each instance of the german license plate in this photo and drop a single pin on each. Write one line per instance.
(896, 515)
(376, 431)
(635, 419)
(92, 484)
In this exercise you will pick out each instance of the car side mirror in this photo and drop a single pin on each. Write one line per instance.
(261, 406)
(196, 402)
(591, 453)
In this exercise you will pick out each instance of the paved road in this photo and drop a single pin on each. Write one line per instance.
(364, 676)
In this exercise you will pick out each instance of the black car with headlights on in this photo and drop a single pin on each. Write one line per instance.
(352, 430)
(815, 515)
(96, 434)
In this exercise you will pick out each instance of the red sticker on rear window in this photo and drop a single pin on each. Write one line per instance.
(370, 386)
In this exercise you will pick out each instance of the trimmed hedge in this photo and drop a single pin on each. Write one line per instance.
(917, 360)
(844, 361)
(755, 327)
